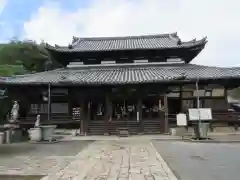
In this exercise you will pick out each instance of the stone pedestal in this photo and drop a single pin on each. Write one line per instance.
(17, 135)
(178, 131)
(13, 135)
(35, 134)
(47, 132)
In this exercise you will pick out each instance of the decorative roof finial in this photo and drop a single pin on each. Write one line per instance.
(74, 39)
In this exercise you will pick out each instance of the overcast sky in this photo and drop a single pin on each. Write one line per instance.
(56, 21)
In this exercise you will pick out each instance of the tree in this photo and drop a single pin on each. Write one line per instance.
(9, 70)
(31, 56)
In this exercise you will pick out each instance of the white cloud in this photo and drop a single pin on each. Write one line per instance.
(216, 19)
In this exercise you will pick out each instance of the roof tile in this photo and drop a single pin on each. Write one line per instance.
(124, 74)
(128, 43)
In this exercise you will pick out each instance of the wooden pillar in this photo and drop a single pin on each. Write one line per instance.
(166, 123)
(70, 102)
(139, 114)
(226, 97)
(181, 99)
(49, 102)
(82, 117)
(108, 114)
(88, 116)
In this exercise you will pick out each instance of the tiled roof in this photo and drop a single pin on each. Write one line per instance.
(124, 74)
(161, 41)
(192, 71)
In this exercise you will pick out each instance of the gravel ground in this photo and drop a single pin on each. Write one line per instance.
(198, 161)
(37, 159)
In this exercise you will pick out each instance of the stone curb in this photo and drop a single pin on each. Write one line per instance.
(166, 139)
(166, 168)
(210, 141)
(44, 142)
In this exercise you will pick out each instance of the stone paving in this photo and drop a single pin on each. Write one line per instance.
(27, 165)
(116, 160)
(37, 159)
(201, 161)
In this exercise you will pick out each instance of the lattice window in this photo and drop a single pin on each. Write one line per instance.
(208, 93)
(34, 109)
(38, 108)
(174, 94)
(218, 92)
(43, 108)
(200, 93)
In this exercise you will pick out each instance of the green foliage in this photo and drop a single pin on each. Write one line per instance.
(9, 70)
(18, 57)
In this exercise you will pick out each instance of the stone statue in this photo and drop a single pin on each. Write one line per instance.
(37, 123)
(13, 119)
(14, 112)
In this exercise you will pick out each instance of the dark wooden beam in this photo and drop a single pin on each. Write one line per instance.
(82, 116)
(88, 115)
(166, 122)
(181, 98)
(108, 113)
(49, 102)
(139, 113)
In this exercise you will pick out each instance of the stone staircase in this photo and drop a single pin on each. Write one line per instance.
(153, 126)
(96, 127)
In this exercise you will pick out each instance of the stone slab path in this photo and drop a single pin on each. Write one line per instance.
(116, 160)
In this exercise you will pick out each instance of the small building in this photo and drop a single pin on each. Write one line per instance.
(136, 82)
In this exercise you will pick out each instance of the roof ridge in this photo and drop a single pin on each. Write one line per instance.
(127, 65)
(124, 37)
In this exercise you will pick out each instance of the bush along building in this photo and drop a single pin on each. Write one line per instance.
(135, 82)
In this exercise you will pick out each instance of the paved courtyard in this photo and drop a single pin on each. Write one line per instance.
(121, 159)
(37, 159)
(116, 160)
(198, 161)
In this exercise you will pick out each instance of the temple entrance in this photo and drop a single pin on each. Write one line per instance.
(151, 107)
(96, 112)
(152, 114)
(124, 111)
(97, 109)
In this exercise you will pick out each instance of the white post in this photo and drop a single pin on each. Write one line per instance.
(198, 106)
